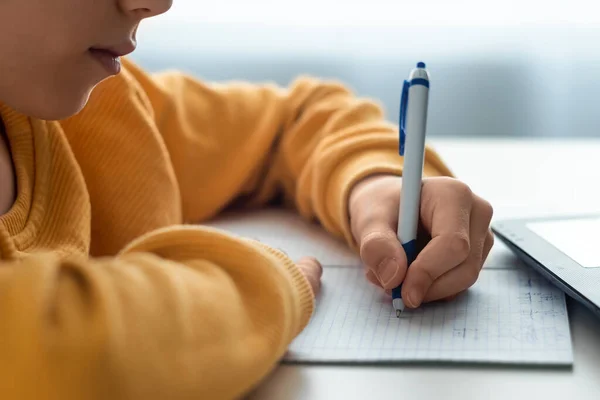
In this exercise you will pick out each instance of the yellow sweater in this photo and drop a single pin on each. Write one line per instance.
(105, 294)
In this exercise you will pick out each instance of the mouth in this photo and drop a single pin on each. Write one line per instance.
(119, 50)
(109, 57)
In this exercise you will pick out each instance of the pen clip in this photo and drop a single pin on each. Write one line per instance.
(402, 122)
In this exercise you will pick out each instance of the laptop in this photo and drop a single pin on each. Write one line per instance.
(565, 250)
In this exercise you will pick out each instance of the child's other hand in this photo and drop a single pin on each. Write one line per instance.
(455, 225)
(312, 270)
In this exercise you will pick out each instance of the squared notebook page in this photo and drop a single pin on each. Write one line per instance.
(509, 316)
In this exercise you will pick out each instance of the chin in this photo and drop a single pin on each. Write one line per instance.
(62, 107)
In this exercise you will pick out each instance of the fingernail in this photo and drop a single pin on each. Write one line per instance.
(413, 298)
(386, 270)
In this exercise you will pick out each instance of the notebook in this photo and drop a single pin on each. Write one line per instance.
(511, 315)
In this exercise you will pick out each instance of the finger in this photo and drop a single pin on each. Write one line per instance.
(451, 284)
(383, 255)
(313, 264)
(488, 244)
(451, 297)
(445, 213)
(313, 280)
(487, 247)
(313, 271)
(465, 275)
(374, 221)
(380, 249)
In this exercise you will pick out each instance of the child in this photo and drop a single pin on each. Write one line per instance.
(104, 293)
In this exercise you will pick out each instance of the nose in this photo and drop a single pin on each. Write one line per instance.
(145, 8)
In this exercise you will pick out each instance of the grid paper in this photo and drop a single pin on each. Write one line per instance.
(511, 315)
(508, 316)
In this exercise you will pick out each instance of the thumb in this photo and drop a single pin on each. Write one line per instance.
(382, 254)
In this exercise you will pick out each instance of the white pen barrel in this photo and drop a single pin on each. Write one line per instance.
(416, 120)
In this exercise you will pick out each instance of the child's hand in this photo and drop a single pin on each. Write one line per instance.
(312, 270)
(455, 225)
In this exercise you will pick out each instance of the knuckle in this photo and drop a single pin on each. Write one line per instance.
(486, 209)
(461, 189)
(376, 236)
(429, 276)
(370, 243)
(459, 244)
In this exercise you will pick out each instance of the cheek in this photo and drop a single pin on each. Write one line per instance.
(45, 72)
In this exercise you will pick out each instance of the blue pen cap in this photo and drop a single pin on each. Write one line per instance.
(402, 117)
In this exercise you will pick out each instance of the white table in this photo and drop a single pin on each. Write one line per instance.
(520, 178)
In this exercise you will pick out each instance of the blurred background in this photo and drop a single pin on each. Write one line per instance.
(499, 68)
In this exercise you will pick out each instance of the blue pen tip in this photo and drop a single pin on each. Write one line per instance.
(420, 64)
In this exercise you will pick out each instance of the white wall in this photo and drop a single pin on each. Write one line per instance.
(519, 68)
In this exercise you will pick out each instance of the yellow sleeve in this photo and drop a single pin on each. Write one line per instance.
(181, 313)
(309, 143)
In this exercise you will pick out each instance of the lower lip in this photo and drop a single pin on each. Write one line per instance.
(109, 61)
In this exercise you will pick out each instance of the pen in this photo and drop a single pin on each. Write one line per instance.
(412, 121)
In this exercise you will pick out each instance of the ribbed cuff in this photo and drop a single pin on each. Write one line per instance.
(304, 293)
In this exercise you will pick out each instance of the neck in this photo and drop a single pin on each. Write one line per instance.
(7, 174)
